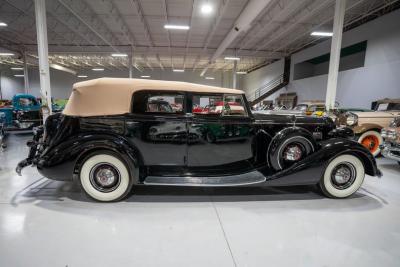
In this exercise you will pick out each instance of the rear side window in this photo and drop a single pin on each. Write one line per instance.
(158, 103)
(218, 105)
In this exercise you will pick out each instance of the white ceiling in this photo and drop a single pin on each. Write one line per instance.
(83, 33)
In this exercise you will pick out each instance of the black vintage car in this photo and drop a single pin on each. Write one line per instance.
(113, 134)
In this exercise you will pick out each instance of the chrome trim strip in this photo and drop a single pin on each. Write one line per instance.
(253, 177)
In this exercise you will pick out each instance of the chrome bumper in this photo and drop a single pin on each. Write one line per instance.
(389, 151)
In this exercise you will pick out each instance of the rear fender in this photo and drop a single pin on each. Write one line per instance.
(62, 162)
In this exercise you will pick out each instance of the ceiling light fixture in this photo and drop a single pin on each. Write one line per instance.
(6, 54)
(145, 76)
(2, 24)
(82, 76)
(19, 75)
(178, 70)
(322, 34)
(241, 72)
(206, 9)
(176, 27)
(17, 68)
(97, 69)
(210, 78)
(119, 55)
(232, 58)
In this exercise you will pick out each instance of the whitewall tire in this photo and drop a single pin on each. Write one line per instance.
(371, 140)
(343, 176)
(105, 177)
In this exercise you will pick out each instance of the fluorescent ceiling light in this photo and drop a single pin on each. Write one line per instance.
(19, 75)
(210, 78)
(232, 58)
(321, 33)
(2, 24)
(97, 69)
(206, 9)
(17, 68)
(176, 27)
(178, 70)
(6, 54)
(58, 67)
(119, 55)
(241, 72)
(145, 76)
(82, 76)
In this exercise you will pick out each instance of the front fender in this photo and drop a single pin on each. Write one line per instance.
(311, 169)
(61, 162)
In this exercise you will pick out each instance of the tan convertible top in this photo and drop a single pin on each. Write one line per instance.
(112, 96)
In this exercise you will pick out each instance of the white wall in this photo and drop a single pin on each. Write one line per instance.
(255, 79)
(10, 86)
(61, 82)
(380, 76)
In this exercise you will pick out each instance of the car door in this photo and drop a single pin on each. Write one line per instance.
(157, 127)
(220, 130)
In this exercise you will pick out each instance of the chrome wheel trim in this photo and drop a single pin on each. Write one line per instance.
(343, 175)
(105, 177)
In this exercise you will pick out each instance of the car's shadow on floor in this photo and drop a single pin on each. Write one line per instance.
(46, 192)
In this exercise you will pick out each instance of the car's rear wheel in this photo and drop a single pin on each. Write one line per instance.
(343, 176)
(371, 140)
(105, 177)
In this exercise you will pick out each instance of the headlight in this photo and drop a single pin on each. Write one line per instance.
(391, 135)
(384, 133)
(351, 119)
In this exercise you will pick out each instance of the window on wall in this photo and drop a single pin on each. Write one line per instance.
(158, 102)
(351, 57)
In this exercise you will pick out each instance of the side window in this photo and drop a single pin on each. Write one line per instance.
(234, 106)
(158, 102)
(218, 105)
(207, 105)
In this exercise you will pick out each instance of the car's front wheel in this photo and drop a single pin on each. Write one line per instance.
(105, 177)
(343, 176)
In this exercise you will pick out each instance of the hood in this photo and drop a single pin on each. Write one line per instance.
(377, 114)
(282, 118)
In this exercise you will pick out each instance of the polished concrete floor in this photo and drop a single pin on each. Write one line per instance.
(47, 223)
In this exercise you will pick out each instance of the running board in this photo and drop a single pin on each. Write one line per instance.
(249, 178)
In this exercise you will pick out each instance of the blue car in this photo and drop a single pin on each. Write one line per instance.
(24, 114)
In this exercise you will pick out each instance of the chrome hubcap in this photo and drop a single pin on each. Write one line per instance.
(292, 153)
(105, 177)
(343, 175)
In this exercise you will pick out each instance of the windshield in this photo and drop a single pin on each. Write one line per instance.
(301, 107)
(27, 102)
(387, 106)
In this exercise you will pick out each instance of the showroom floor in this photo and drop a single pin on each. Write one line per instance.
(47, 223)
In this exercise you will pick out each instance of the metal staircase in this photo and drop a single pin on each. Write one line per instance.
(272, 86)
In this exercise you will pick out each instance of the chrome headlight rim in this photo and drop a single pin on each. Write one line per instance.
(351, 119)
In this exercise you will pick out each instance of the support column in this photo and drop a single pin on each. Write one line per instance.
(234, 80)
(26, 74)
(340, 8)
(130, 65)
(44, 72)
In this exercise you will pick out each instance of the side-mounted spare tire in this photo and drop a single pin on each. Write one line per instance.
(290, 146)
